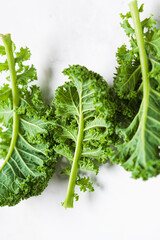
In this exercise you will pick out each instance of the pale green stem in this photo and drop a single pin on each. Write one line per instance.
(144, 64)
(68, 203)
(11, 63)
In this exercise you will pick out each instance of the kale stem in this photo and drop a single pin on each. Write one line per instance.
(68, 203)
(144, 64)
(140, 42)
(11, 63)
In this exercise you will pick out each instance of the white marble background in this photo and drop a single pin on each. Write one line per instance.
(86, 32)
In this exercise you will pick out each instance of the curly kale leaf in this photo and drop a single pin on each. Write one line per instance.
(140, 151)
(128, 76)
(84, 125)
(26, 165)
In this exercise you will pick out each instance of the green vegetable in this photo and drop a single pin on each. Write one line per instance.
(84, 126)
(24, 136)
(87, 120)
(138, 79)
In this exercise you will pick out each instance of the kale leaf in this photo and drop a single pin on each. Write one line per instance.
(138, 77)
(84, 126)
(24, 144)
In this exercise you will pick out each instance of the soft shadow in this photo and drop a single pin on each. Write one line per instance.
(109, 165)
(46, 85)
(156, 13)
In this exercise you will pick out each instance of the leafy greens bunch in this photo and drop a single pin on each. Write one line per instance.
(87, 121)
(80, 125)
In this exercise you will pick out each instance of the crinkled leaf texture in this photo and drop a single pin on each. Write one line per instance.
(140, 151)
(128, 77)
(88, 89)
(30, 166)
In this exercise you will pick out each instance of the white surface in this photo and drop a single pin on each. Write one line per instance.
(86, 32)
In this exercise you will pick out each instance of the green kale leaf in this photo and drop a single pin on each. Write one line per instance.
(26, 165)
(138, 77)
(83, 126)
